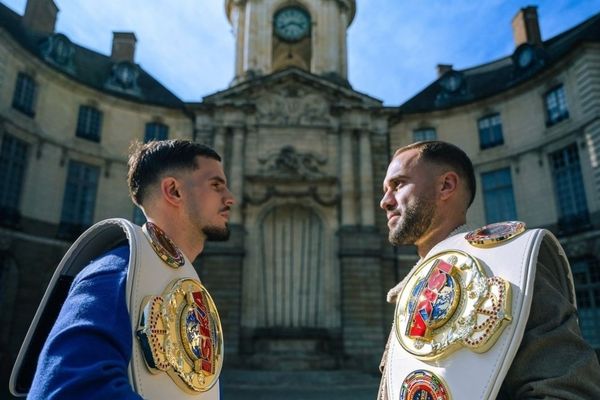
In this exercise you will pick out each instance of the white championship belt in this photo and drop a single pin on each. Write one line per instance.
(179, 333)
(177, 339)
(462, 312)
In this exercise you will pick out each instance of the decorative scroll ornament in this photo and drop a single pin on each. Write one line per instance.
(449, 302)
(163, 246)
(493, 234)
(289, 163)
(180, 334)
(423, 385)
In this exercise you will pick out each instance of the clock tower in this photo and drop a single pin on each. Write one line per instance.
(272, 35)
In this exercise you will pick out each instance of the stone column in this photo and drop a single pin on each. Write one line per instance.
(366, 180)
(236, 178)
(347, 178)
(219, 141)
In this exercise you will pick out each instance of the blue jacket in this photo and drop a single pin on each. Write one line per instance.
(88, 350)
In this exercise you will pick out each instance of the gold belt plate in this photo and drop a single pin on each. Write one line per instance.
(180, 334)
(449, 302)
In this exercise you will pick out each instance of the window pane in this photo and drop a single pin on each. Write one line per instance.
(156, 131)
(13, 162)
(424, 134)
(568, 187)
(556, 105)
(490, 131)
(498, 195)
(79, 199)
(24, 95)
(138, 216)
(588, 298)
(89, 123)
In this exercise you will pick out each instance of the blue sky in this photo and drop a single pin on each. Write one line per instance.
(393, 45)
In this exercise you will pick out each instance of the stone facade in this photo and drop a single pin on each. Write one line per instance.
(302, 282)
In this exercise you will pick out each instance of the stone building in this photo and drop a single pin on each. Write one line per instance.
(302, 282)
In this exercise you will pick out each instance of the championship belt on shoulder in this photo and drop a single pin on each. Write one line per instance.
(461, 314)
(173, 317)
(180, 349)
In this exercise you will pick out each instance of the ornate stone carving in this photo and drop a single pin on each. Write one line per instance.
(293, 107)
(289, 163)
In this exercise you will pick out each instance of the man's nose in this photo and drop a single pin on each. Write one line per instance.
(229, 199)
(388, 202)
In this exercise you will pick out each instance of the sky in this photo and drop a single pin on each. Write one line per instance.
(394, 46)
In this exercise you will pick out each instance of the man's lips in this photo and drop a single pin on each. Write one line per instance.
(224, 213)
(392, 216)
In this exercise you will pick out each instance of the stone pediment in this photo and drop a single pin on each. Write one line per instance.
(288, 90)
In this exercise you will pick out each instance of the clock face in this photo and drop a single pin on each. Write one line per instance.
(291, 23)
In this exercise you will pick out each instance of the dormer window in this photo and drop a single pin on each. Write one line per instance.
(452, 81)
(524, 56)
(124, 76)
(59, 50)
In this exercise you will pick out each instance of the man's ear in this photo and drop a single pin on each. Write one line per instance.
(170, 190)
(449, 184)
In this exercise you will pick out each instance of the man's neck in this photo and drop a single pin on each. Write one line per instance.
(435, 235)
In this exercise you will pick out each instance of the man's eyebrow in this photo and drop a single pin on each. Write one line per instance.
(392, 181)
(218, 179)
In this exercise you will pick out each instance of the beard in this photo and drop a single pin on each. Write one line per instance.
(414, 223)
(216, 233)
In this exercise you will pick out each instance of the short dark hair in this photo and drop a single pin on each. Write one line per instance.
(148, 161)
(443, 153)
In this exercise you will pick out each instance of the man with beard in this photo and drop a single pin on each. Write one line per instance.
(137, 323)
(453, 335)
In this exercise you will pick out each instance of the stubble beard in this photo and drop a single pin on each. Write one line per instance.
(414, 223)
(215, 233)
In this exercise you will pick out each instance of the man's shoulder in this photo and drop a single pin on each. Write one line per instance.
(113, 261)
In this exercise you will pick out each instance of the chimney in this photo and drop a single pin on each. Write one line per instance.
(443, 68)
(123, 46)
(526, 27)
(40, 16)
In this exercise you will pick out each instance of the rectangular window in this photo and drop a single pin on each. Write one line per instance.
(79, 199)
(89, 123)
(587, 287)
(13, 162)
(556, 105)
(498, 196)
(138, 216)
(424, 134)
(490, 131)
(569, 190)
(156, 131)
(24, 96)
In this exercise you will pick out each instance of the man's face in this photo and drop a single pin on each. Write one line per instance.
(409, 198)
(207, 200)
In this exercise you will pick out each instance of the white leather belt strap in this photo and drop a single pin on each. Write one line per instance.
(470, 375)
(148, 275)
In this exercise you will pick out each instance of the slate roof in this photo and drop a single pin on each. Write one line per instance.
(89, 67)
(498, 76)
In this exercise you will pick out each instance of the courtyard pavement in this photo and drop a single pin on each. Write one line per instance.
(300, 385)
